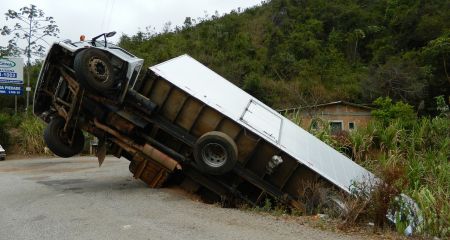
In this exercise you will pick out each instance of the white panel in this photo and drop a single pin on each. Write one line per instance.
(264, 120)
(218, 93)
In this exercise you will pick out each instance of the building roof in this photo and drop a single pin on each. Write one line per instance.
(327, 104)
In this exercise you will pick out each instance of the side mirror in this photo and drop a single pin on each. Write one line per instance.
(110, 34)
(105, 35)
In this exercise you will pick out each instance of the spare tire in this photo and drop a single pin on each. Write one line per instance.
(215, 153)
(94, 70)
(58, 141)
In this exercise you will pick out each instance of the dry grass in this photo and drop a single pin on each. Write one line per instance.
(30, 137)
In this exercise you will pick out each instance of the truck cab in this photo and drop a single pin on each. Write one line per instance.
(74, 78)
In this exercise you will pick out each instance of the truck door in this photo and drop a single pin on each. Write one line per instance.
(263, 120)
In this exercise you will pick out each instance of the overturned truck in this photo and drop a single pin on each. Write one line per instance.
(181, 118)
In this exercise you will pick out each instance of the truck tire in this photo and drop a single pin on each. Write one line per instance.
(94, 70)
(58, 141)
(215, 153)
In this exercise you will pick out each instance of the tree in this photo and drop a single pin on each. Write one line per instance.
(187, 23)
(353, 50)
(32, 26)
(400, 79)
(439, 47)
(357, 35)
(9, 50)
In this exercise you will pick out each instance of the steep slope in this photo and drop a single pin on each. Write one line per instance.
(294, 52)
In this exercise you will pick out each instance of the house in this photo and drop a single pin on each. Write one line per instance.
(340, 115)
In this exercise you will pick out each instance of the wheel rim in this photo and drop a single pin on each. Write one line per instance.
(98, 69)
(214, 155)
(64, 137)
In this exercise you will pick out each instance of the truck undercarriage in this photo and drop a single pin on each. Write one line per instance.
(163, 129)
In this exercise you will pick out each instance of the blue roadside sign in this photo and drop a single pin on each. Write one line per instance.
(11, 90)
(11, 70)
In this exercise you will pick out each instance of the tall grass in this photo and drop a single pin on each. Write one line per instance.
(420, 155)
(30, 136)
(411, 157)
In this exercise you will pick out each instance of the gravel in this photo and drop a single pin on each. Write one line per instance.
(72, 198)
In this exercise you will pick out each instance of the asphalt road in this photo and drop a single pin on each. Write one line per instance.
(74, 199)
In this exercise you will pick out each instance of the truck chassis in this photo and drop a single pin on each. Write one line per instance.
(165, 128)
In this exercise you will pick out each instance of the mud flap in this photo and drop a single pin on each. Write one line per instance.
(101, 152)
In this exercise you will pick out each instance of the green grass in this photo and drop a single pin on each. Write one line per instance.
(27, 133)
(413, 159)
(30, 138)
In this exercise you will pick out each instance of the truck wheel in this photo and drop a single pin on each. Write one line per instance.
(94, 70)
(58, 141)
(215, 153)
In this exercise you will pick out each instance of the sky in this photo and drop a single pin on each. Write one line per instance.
(92, 17)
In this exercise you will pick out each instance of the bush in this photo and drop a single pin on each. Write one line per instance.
(387, 111)
(4, 134)
(411, 156)
(30, 137)
(412, 159)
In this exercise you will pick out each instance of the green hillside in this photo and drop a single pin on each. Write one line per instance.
(293, 52)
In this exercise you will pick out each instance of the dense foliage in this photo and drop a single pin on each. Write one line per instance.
(411, 155)
(291, 52)
(414, 159)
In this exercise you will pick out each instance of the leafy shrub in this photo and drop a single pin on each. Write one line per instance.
(388, 111)
(442, 107)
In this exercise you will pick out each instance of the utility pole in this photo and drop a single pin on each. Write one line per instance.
(28, 66)
(28, 83)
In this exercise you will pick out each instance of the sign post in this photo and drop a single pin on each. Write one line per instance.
(11, 75)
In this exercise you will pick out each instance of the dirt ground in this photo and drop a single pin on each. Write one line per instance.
(54, 198)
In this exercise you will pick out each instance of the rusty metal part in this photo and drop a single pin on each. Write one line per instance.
(70, 107)
(160, 157)
(98, 69)
(140, 168)
(149, 171)
(72, 83)
(103, 100)
(61, 112)
(120, 123)
(148, 150)
(75, 106)
(101, 152)
(165, 149)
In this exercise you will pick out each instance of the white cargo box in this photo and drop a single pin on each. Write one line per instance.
(202, 83)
